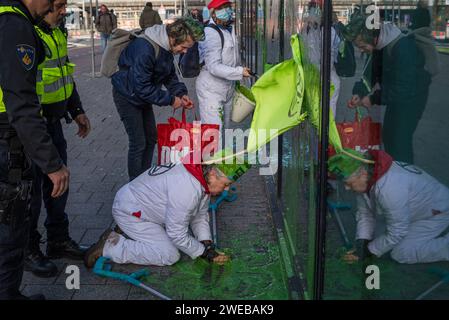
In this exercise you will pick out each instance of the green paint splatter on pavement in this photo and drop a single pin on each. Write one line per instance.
(255, 272)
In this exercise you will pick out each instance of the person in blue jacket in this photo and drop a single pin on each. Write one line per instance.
(143, 70)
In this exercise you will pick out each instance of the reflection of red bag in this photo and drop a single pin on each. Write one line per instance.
(176, 139)
(360, 135)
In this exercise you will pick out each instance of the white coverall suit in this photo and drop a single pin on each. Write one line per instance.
(155, 210)
(215, 84)
(416, 210)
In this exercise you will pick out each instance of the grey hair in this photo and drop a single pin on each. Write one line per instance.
(209, 168)
(183, 28)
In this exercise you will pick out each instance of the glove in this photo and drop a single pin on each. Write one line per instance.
(209, 253)
(362, 249)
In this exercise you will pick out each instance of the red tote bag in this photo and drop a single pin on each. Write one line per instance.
(361, 134)
(176, 139)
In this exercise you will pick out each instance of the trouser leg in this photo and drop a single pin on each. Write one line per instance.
(399, 125)
(149, 243)
(424, 243)
(13, 241)
(57, 222)
(149, 125)
(132, 118)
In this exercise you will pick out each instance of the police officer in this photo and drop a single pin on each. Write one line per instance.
(23, 135)
(57, 94)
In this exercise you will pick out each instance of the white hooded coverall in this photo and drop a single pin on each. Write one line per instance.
(156, 210)
(215, 84)
(416, 210)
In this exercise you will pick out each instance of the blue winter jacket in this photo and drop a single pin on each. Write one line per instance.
(141, 75)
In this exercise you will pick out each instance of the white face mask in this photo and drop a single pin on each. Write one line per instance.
(224, 14)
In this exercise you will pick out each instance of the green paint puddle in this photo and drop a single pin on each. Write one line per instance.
(397, 281)
(255, 272)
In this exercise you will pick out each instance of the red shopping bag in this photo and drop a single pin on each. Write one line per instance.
(361, 134)
(176, 139)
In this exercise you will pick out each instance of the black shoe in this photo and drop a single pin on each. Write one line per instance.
(66, 249)
(39, 265)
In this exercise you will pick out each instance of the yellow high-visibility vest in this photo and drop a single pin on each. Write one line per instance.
(54, 81)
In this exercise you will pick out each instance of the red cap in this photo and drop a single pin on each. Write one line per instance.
(214, 4)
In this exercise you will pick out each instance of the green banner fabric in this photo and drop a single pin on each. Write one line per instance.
(285, 95)
(279, 96)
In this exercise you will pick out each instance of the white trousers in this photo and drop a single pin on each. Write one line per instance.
(215, 100)
(150, 244)
(423, 242)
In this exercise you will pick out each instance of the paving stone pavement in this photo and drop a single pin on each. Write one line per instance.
(98, 169)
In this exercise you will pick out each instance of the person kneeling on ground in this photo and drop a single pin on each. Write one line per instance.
(154, 212)
(414, 204)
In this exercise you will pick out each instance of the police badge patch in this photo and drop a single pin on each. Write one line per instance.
(26, 55)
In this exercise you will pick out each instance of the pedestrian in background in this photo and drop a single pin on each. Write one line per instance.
(105, 23)
(420, 16)
(144, 68)
(197, 15)
(149, 17)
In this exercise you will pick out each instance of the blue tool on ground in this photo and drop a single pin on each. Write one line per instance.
(444, 274)
(213, 208)
(333, 209)
(103, 268)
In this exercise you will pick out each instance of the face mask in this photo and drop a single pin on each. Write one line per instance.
(224, 14)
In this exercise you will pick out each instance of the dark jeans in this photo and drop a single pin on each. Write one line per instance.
(140, 126)
(400, 123)
(13, 241)
(57, 222)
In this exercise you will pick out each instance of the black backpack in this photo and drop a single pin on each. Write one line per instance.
(189, 63)
(345, 65)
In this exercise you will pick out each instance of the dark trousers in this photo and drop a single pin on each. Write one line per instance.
(140, 126)
(13, 240)
(400, 123)
(56, 222)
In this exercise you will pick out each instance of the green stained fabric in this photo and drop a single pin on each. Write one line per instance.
(232, 165)
(344, 165)
(285, 95)
(279, 96)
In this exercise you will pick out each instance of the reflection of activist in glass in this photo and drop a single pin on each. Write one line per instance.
(156, 211)
(415, 207)
(394, 76)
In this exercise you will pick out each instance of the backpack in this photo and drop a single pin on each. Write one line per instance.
(120, 39)
(189, 63)
(346, 64)
(424, 42)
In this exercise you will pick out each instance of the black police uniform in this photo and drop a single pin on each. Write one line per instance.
(21, 52)
(56, 223)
